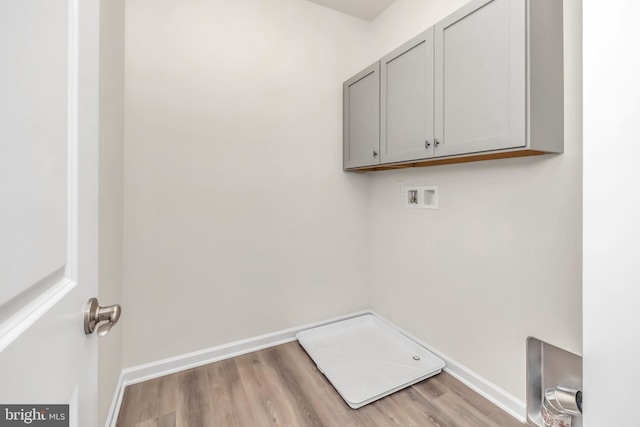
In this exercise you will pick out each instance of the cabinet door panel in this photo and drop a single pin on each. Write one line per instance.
(481, 78)
(406, 106)
(362, 118)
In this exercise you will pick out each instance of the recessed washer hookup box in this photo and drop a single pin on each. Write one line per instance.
(549, 366)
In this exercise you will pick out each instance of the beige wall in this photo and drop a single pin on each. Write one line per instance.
(111, 192)
(238, 218)
(501, 259)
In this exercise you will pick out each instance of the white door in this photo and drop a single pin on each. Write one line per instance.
(611, 284)
(48, 204)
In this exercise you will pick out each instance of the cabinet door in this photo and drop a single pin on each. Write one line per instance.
(406, 101)
(361, 120)
(481, 78)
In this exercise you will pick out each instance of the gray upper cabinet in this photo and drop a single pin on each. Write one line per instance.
(486, 82)
(406, 101)
(481, 78)
(361, 118)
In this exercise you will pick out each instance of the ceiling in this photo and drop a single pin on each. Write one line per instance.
(363, 9)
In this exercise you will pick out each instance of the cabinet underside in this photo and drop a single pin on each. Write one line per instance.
(450, 160)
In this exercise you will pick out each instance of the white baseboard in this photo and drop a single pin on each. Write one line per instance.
(140, 373)
(496, 395)
(148, 371)
(114, 410)
(485, 388)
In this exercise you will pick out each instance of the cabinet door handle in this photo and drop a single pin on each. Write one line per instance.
(436, 142)
(375, 153)
(427, 144)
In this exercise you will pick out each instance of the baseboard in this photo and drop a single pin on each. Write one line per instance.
(114, 410)
(499, 397)
(137, 374)
(148, 371)
(496, 395)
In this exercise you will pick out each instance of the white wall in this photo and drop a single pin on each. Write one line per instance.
(238, 219)
(611, 212)
(111, 192)
(501, 259)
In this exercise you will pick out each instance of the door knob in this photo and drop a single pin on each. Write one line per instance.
(102, 317)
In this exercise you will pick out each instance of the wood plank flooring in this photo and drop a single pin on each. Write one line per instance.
(281, 386)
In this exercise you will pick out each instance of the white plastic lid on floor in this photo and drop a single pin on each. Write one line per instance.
(366, 359)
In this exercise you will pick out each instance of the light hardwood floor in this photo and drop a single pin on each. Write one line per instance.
(281, 386)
